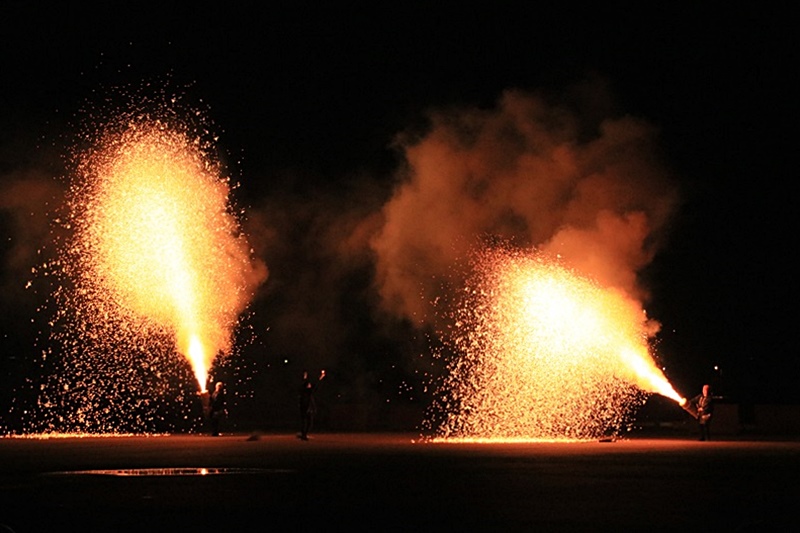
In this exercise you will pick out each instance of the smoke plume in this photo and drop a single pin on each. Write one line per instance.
(25, 199)
(527, 172)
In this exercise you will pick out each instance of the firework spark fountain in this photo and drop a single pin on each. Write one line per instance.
(156, 263)
(543, 353)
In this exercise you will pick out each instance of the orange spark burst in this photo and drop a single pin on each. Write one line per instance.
(163, 242)
(543, 353)
(153, 262)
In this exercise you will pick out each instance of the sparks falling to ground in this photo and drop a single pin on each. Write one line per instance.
(157, 266)
(543, 353)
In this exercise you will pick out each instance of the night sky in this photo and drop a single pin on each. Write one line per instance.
(312, 105)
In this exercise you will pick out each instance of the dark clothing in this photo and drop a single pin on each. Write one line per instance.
(704, 405)
(217, 410)
(308, 407)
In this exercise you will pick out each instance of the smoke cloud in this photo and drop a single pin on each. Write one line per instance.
(317, 297)
(26, 199)
(354, 267)
(528, 172)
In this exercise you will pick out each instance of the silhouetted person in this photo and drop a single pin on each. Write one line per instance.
(217, 408)
(704, 406)
(308, 405)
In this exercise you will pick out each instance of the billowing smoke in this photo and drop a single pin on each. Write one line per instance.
(360, 273)
(526, 172)
(25, 199)
(316, 244)
(579, 184)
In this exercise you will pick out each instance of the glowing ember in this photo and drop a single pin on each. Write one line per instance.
(157, 263)
(542, 353)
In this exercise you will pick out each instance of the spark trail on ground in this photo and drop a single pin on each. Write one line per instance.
(156, 266)
(542, 353)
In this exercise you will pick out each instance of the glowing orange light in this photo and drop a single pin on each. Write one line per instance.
(197, 358)
(646, 374)
(543, 353)
(152, 275)
(159, 226)
(158, 240)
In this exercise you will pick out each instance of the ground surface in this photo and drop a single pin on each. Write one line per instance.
(366, 482)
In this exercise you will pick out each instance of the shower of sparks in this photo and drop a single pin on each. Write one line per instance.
(542, 353)
(155, 263)
(159, 227)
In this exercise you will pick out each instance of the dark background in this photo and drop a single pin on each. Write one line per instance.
(306, 96)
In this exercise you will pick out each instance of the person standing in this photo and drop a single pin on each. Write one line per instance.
(308, 406)
(217, 408)
(703, 404)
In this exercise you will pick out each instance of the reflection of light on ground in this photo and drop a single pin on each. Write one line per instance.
(172, 472)
(45, 436)
(501, 440)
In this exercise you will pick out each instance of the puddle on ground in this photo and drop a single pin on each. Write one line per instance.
(170, 472)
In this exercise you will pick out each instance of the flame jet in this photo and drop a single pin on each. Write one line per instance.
(158, 241)
(543, 353)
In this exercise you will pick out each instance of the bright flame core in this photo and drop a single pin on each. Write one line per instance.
(543, 353)
(152, 263)
(163, 242)
(197, 358)
(647, 376)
